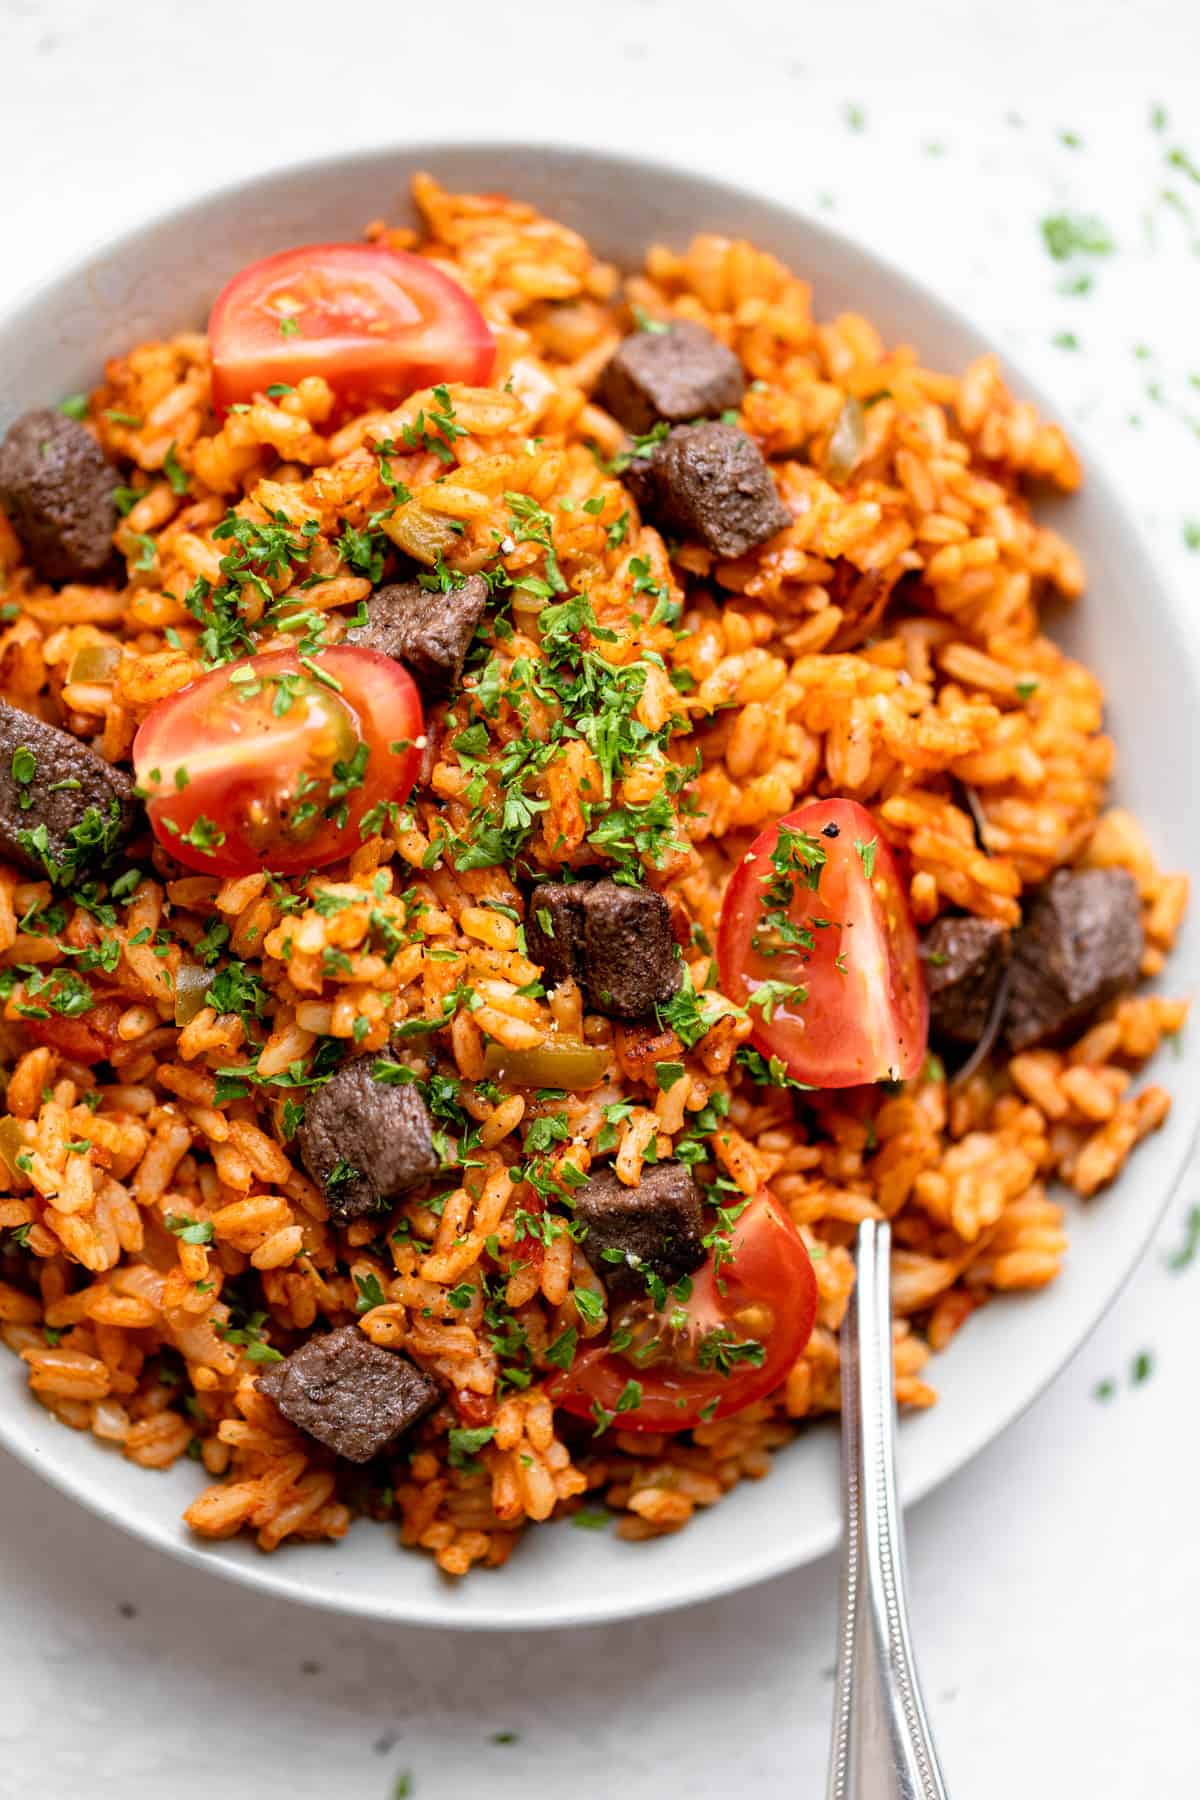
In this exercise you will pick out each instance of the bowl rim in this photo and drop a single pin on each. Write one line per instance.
(274, 1575)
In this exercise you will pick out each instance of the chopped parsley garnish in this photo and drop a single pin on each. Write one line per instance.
(370, 1292)
(202, 834)
(770, 994)
(720, 1239)
(176, 475)
(363, 551)
(465, 1441)
(189, 1231)
(768, 1072)
(147, 551)
(721, 1351)
(87, 845)
(441, 430)
(1179, 159)
(588, 698)
(237, 989)
(1068, 234)
(209, 946)
(591, 1519)
(588, 1305)
(1188, 1250)
(531, 524)
(258, 553)
(126, 498)
(24, 769)
(796, 857)
(342, 1175)
(249, 1337)
(688, 1015)
(866, 855)
(562, 1351)
(644, 322)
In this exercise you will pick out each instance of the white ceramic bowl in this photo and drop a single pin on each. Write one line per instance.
(162, 278)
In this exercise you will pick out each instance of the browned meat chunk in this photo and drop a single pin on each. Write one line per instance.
(428, 630)
(674, 375)
(709, 483)
(554, 929)
(631, 960)
(348, 1394)
(62, 807)
(964, 960)
(57, 488)
(615, 940)
(365, 1142)
(1081, 944)
(656, 1228)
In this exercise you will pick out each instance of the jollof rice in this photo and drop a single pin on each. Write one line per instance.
(885, 647)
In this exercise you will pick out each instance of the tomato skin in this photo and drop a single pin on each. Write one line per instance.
(866, 1021)
(378, 324)
(768, 1267)
(472, 1408)
(87, 1039)
(245, 766)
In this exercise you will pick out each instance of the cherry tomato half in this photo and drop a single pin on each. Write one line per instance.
(376, 323)
(817, 941)
(271, 762)
(732, 1341)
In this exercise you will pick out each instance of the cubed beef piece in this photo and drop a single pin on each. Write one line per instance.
(709, 483)
(62, 807)
(615, 940)
(365, 1142)
(964, 960)
(675, 375)
(1080, 945)
(630, 957)
(656, 1227)
(554, 929)
(427, 629)
(348, 1394)
(57, 488)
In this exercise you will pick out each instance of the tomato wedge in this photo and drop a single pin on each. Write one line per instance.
(280, 763)
(730, 1342)
(817, 941)
(376, 323)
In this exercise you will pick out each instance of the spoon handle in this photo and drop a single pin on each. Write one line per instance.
(882, 1746)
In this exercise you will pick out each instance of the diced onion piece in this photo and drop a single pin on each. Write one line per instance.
(847, 440)
(561, 1064)
(94, 662)
(11, 1143)
(191, 984)
(423, 535)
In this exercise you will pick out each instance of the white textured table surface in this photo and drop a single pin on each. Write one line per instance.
(1057, 1580)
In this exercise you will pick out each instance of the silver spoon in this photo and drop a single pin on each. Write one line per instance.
(882, 1747)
